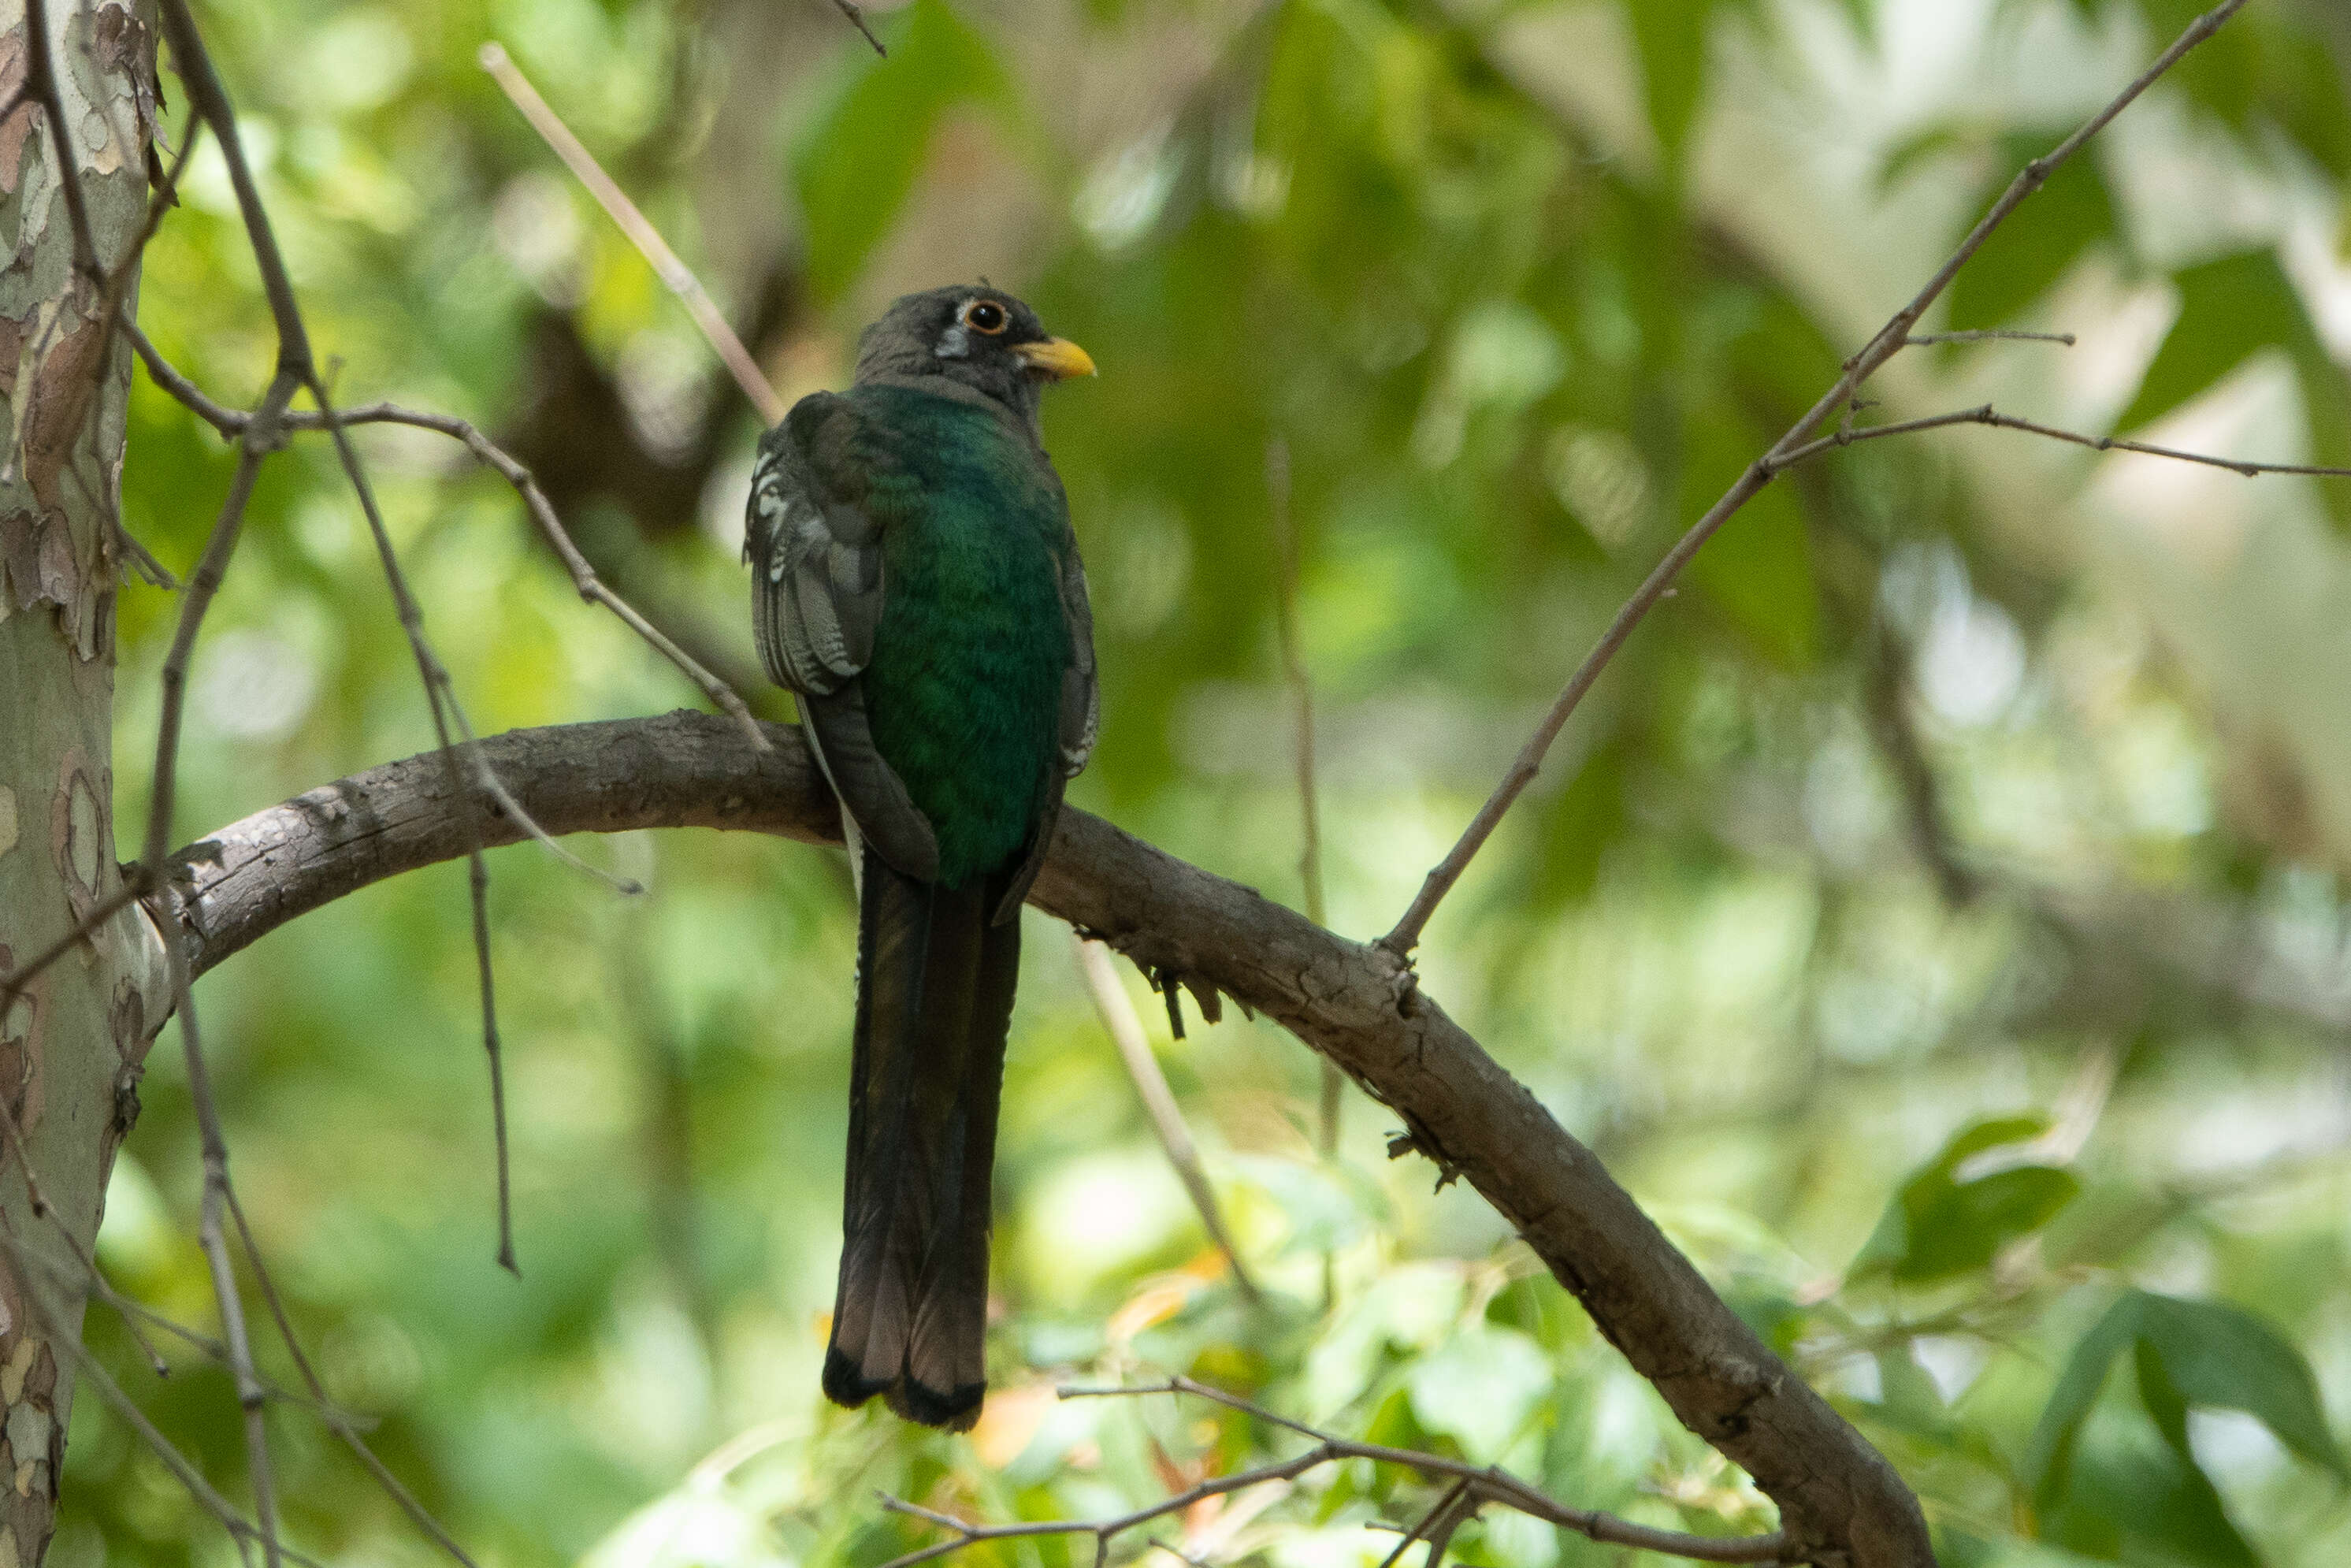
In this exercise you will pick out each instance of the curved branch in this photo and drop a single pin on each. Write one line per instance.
(1840, 1501)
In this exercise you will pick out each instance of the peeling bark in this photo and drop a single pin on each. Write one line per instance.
(68, 1041)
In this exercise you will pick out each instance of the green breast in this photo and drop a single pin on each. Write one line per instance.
(964, 688)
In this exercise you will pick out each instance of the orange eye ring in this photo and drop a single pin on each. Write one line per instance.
(986, 315)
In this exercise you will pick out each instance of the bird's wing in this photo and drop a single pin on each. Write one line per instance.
(1080, 694)
(815, 548)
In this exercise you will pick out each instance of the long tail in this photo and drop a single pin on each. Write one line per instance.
(935, 981)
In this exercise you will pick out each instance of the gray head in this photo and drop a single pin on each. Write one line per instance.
(977, 337)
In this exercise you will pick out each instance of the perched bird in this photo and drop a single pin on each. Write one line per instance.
(915, 582)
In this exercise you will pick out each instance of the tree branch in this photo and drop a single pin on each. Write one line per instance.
(1838, 1498)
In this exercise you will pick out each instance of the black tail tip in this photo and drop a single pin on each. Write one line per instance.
(844, 1383)
(956, 1411)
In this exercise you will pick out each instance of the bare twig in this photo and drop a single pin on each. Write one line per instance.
(230, 422)
(239, 1528)
(249, 1394)
(1302, 704)
(1890, 339)
(1984, 414)
(440, 698)
(337, 1420)
(194, 602)
(1472, 1485)
(263, 433)
(856, 15)
(12, 982)
(1116, 1009)
(1987, 335)
(41, 82)
(674, 275)
(1442, 1518)
(137, 1315)
(209, 100)
(39, 1202)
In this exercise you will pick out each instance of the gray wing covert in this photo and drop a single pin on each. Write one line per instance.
(816, 598)
(816, 559)
(1081, 691)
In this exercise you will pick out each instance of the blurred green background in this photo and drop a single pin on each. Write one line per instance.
(1937, 917)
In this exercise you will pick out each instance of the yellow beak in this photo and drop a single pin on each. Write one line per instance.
(1056, 356)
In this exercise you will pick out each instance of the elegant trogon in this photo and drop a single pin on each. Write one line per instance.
(915, 582)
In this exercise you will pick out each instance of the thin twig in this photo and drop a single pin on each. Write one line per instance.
(1430, 1523)
(441, 700)
(1116, 1009)
(133, 888)
(135, 1314)
(239, 1528)
(1301, 706)
(41, 82)
(229, 421)
(336, 1419)
(209, 98)
(674, 275)
(38, 1202)
(1986, 335)
(195, 599)
(1984, 414)
(1473, 1485)
(1890, 339)
(856, 15)
(249, 1394)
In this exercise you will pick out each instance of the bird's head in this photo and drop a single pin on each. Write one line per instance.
(979, 336)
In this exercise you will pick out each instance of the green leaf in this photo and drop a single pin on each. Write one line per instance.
(1863, 14)
(2141, 1503)
(1759, 568)
(1938, 1225)
(2228, 309)
(2026, 256)
(2204, 1354)
(1671, 37)
(1903, 158)
(1479, 1387)
(858, 161)
(1586, 818)
(2219, 1358)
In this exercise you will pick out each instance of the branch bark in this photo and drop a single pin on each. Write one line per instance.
(1840, 1500)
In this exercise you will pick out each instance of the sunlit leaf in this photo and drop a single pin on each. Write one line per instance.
(2210, 1355)
(1479, 1387)
(1672, 36)
(1939, 1224)
(2228, 309)
(2026, 256)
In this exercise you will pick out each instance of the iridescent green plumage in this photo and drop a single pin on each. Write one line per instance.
(917, 585)
(963, 689)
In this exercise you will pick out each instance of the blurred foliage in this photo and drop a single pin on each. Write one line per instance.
(1937, 915)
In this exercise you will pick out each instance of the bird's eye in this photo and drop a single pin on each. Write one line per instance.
(986, 316)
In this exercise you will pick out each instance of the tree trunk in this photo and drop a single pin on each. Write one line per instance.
(72, 1043)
